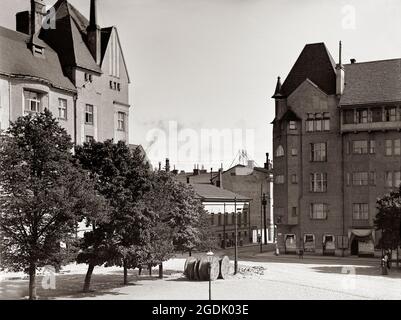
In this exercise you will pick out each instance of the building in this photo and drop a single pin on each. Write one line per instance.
(255, 183)
(69, 65)
(336, 140)
(221, 205)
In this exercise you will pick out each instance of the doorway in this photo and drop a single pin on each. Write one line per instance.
(354, 247)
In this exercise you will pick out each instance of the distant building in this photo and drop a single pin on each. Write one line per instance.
(255, 183)
(72, 67)
(336, 139)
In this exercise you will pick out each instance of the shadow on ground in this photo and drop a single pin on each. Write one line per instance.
(70, 285)
(394, 273)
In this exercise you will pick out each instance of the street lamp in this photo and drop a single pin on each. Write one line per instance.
(210, 260)
(264, 203)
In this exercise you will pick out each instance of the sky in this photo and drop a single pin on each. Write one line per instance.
(198, 65)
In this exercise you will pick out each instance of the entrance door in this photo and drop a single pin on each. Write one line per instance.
(354, 247)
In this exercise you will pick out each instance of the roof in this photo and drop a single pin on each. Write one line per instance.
(68, 37)
(314, 63)
(16, 59)
(209, 192)
(203, 178)
(372, 82)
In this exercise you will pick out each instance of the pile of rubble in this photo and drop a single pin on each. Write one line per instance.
(251, 271)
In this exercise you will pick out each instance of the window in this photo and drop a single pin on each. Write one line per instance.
(293, 125)
(280, 179)
(389, 147)
(219, 219)
(318, 122)
(360, 211)
(32, 101)
(89, 139)
(212, 220)
(348, 116)
(294, 212)
(360, 147)
(397, 147)
(62, 109)
(294, 152)
(318, 211)
(376, 114)
(121, 121)
(89, 114)
(390, 114)
(280, 151)
(360, 179)
(388, 177)
(372, 178)
(318, 182)
(362, 116)
(294, 179)
(372, 145)
(318, 152)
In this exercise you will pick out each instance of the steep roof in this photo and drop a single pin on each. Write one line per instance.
(372, 82)
(314, 63)
(68, 37)
(16, 59)
(209, 192)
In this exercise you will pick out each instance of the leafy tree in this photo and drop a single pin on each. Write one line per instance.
(388, 219)
(122, 178)
(43, 195)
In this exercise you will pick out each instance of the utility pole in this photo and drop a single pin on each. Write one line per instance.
(261, 220)
(236, 238)
(264, 203)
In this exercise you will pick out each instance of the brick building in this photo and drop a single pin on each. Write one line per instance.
(69, 65)
(336, 140)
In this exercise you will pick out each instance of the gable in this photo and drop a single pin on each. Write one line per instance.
(308, 94)
(113, 61)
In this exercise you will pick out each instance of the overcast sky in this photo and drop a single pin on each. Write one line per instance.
(213, 64)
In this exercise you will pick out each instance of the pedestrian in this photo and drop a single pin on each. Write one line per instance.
(388, 260)
(301, 253)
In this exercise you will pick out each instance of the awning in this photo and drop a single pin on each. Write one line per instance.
(361, 233)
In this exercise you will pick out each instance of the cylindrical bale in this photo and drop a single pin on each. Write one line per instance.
(204, 268)
(196, 270)
(224, 267)
(189, 266)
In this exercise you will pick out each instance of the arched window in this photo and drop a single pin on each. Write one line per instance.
(280, 151)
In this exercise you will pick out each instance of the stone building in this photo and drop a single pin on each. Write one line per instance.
(336, 140)
(61, 61)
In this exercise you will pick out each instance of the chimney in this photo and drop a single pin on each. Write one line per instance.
(251, 164)
(37, 16)
(196, 170)
(220, 182)
(267, 162)
(94, 36)
(167, 165)
(187, 180)
(340, 74)
(353, 61)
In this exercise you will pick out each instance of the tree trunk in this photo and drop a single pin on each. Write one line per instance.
(125, 272)
(32, 281)
(161, 270)
(140, 271)
(150, 270)
(88, 277)
(190, 253)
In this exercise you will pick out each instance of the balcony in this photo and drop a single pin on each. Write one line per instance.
(371, 126)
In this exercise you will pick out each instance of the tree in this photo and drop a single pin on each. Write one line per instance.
(122, 178)
(388, 219)
(43, 195)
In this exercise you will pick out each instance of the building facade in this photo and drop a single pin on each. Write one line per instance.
(61, 61)
(336, 140)
(255, 183)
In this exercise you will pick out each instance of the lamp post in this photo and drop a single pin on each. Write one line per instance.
(264, 203)
(210, 259)
(236, 238)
